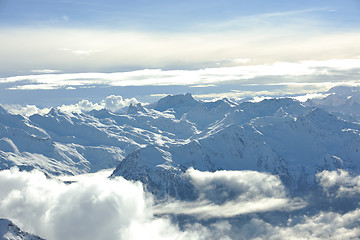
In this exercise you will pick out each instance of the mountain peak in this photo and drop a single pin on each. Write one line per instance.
(178, 104)
(53, 111)
(133, 109)
(173, 101)
(224, 102)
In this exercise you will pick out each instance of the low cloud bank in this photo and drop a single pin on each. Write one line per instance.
(226, 194)
(95, 207)
(339, 183)
(112, 103)
(115, 103)
(324, 225)
(27, 110)
(92, 208)
(314, 74)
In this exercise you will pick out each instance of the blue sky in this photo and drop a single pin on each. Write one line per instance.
(185, 45)
(163, 15)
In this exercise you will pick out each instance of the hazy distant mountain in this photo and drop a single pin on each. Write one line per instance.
(341, 99)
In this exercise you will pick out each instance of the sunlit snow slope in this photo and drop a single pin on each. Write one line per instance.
(157, 143)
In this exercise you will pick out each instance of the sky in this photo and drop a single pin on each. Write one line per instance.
(61, 52)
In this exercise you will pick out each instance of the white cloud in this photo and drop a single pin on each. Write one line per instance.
(324, 225)
(27, 110)
(115, 103)
(81, 106)
(227, 194)
(112, 103)
(293, 13)
(238, 94)
(92, 208)
(79, 50)
(71, 88)
(339, 183)
(160, 95)
(316, 70)
(247, 184)
(45, 71)
(203, 85)
(259, 99)
(306, 97)
(95, 207)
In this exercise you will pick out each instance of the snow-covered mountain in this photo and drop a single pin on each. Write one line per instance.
(9, 231)
(280, 136)
(157, 143)
(340, 99)
(71, 143)
(278, 168)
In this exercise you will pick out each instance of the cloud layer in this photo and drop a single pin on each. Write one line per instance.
(278, 79)
(95, 207)
(112, 103)
(252, 63)
(92, 50)
(339, 183)
(226, 194)
(309, 45)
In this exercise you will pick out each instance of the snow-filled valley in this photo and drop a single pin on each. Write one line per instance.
(182, 168)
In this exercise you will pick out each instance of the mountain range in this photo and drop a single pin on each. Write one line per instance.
(172, 146)
(158, 142)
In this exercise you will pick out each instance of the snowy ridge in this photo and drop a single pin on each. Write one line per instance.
(72, 143)
(280, 136)
(340, 99)
(157, 143)
(9, 231)
(277, 168)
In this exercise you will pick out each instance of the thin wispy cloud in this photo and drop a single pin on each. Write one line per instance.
(293, 13)
(270, 19)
